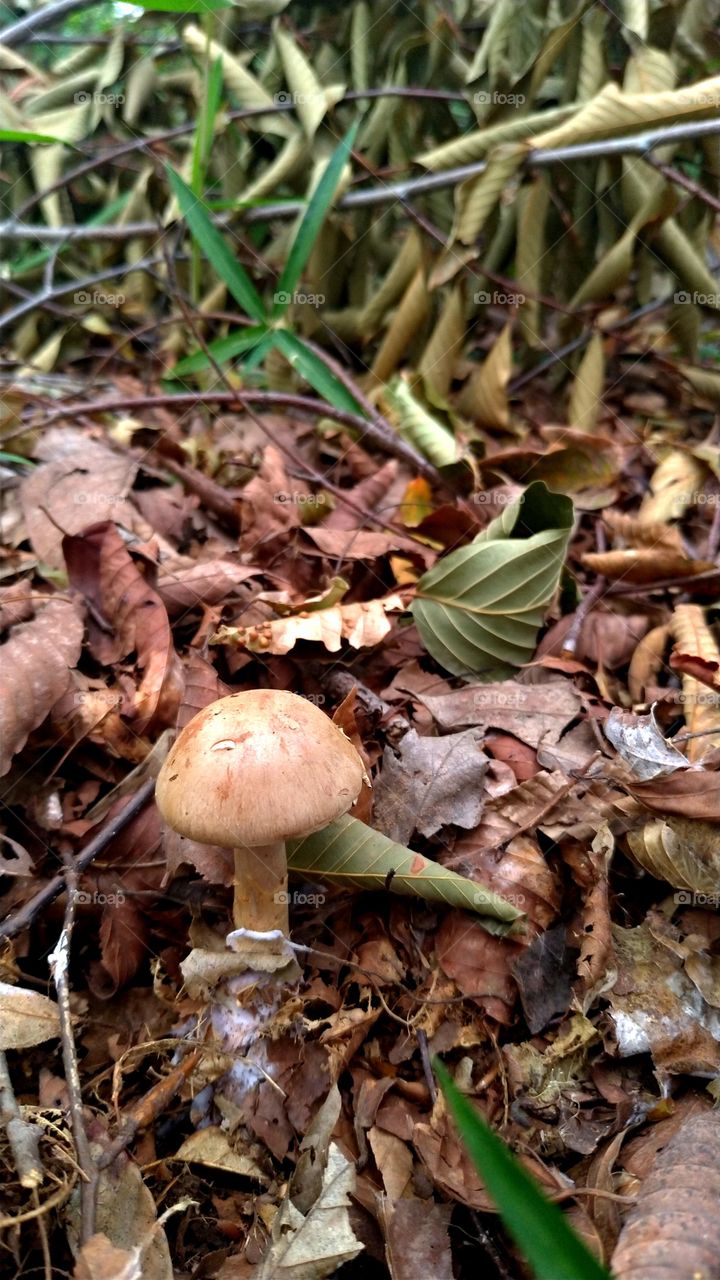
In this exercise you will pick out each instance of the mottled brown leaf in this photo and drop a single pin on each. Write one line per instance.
(101, 568)
(36, 663)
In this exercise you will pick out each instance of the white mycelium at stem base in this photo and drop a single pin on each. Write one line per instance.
(249, 772)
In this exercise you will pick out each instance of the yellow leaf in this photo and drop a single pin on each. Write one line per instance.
(361, 624)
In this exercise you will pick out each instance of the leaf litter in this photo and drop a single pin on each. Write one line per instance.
(518, 634)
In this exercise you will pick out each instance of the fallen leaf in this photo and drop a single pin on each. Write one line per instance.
(204, 583)
(683, 852)
(101, 568)
(418, 1242)
(211, 1148)
(361, 624)
(428, 783)
(543, 973)
(26, 1017)
(100, 1260)
(36, 670)
(311, 1246)
(674, 1221)
(639, 742)
(534, 713)
(479, 964)
(79, 482)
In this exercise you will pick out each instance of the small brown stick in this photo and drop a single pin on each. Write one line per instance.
(24, 1138)
(681, 180)
(59, 961)
(587, 604)
(426, 1063)
(387, 443)
(148, 1108)
(25, 915)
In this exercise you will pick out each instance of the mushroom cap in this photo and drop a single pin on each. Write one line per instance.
(256, 767)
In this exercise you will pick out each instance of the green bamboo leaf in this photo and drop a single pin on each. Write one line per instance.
(222, 350)
(215, 248)
(350, 853)
(538, 1227)
(312, 369)
(202, 144)
(312, 220)
(479, 609)
(23, 135)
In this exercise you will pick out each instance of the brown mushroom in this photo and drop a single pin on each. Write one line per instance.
(249, 772)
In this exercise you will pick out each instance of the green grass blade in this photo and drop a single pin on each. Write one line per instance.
(214, 247)
(257, 356)
(202, 144)
(313, 219)
(24, 135)
(222, 350)
(538, 1227)
(312, 369)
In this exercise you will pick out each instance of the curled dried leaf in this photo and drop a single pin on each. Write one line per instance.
(684, 852)
(36, 671)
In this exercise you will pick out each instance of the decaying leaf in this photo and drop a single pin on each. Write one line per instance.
(313, 1244)
(534, 713)
(641, 744)
(36, 670)
(701, 708)
(674, 487)
(683, 852)
(362, 624)
(26, 1017)
(101, 568)
(674, 1228)
(429, 783)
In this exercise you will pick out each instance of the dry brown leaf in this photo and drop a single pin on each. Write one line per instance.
(362, 624)
(674, 1228)
(484, 398)
(418, 1243)
(701, 708)
(606, 639)
(674, 486)
(79, 482)
(428, 783)
(646, 663)
(101, 568)
(26, 1017)
(100, 1260)
(689, 793)
(36, 670)
(643, 565)
(203, 583)
(683, 852)
(16, 604)
(519, 873)
(534, 713)
(656, 1008)
(479, 964)
(641, 745)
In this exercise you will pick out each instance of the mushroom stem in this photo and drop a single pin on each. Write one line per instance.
(261, 898)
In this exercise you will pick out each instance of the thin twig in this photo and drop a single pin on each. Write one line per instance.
(681, 180)
(391, 445)
(59, 961)
(24, 1138)
(388, 192)
(25, 915)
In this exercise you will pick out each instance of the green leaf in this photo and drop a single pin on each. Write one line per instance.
(478, 610)
(22, 135)
(205, 126)
(16, 457)
(312, 220)
(538, 1227)
(311, 368)
(222, 350)
(350, 853)
(215, 248)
